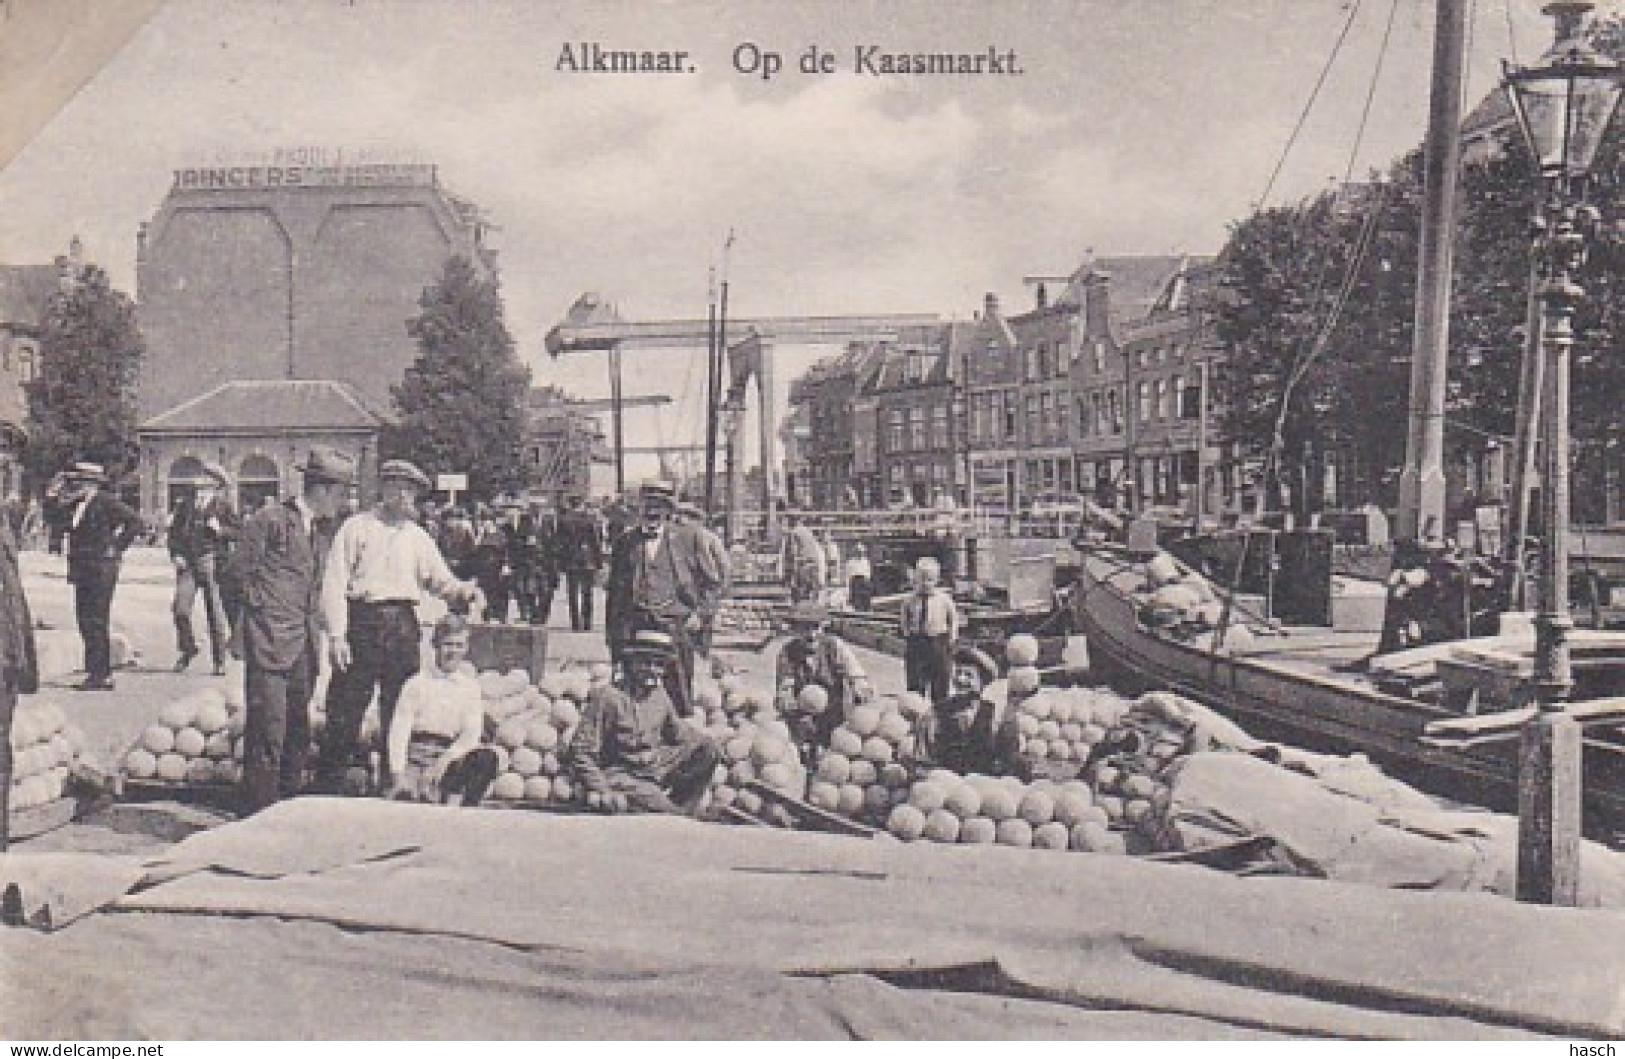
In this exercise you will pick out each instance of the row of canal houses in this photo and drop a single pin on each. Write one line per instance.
(1096, 390)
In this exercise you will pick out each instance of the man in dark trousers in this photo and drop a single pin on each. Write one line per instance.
(663, 576)
(536, 562)
(581, 554)
(19, 669)
(279, 563)
(380, 565)
(200, 536)
(100, 527)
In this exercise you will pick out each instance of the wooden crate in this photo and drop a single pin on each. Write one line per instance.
(503, 647)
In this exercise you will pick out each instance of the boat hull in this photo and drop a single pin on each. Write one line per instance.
(1329, 713)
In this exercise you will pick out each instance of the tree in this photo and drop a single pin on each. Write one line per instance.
(463, 401)
(1280, 265)
(82, 404)
(1301, 314)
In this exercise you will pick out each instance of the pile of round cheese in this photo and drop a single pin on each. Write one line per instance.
(533, 727)
(754, 748)
(196, 739)
(1065, 724)
(864, 771)
(1178, 599)
(44, 749)
(984, 810)
(1131, 783)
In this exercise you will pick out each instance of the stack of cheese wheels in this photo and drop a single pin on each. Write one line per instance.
(196, 739)
(44, 750)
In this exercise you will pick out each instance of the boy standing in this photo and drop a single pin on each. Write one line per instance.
(930, 626)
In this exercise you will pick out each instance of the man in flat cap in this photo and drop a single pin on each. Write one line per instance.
(664, 576)
(201, 531)
(380, 565)
(278, 565)
(100, 528)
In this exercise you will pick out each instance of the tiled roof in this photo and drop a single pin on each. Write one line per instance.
(1492, 112)
(253, 406)
(25, 293)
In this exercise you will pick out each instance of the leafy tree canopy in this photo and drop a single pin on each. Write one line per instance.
(462, 403)
(82, 403)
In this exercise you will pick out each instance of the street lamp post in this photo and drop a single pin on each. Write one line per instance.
(1563, 107)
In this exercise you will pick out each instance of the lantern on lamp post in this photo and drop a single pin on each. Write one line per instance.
(1563, 107)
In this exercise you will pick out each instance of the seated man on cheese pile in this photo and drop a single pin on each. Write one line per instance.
(631, 751)
(819, 680)
(434, 739)
(961, 733)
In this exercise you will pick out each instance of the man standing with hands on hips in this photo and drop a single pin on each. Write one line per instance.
(100, 527)
(380, 565)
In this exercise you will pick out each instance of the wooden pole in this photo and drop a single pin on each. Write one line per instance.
(615, 415)
(1531, 383)
(713, 381)
(1421, 484)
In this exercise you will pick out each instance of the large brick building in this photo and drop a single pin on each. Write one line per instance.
(825, 406)
(293, 271)
(916, 389)
(302, 265)
(25, 297)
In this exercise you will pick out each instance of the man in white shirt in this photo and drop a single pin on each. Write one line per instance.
(380, 565)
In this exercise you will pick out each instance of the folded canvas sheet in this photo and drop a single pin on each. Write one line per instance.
(1292, 955)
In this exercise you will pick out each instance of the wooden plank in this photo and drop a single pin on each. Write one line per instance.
(1507, 724)
(42, 819)
(810, 817)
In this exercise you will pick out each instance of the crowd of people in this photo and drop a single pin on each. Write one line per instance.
(309, 574)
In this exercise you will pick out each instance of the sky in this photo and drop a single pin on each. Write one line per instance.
(1133, 127)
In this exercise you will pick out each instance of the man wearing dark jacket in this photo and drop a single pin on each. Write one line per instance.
(100, 527)
(581, 554)
(19, 669)
(279, 563)
(200, 535)
(664, 576)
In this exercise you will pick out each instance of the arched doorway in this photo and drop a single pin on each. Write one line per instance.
(257, 481)
(183, 477)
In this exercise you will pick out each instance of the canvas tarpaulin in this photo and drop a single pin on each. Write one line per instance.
(757, 905)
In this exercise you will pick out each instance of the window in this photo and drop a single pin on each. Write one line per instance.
(1142, 401)
(1100, 357)
(1009, 398)
(1032, 418)
(939, 427)
(894, 430)
(916, 429)
(1161, 390)
(1114, 409)
(27, 363)
(1046, 413)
